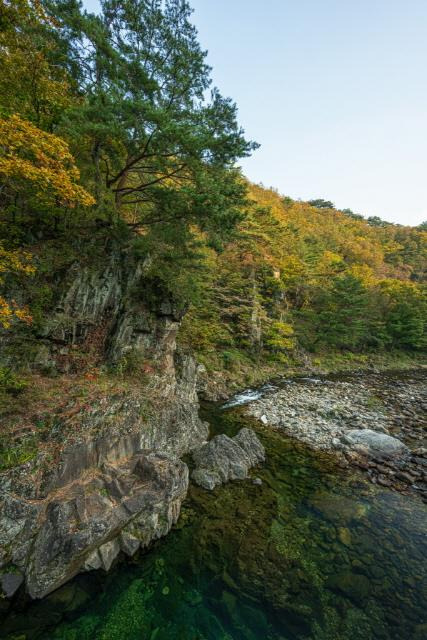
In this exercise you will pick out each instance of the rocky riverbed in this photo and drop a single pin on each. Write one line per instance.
(374, 421)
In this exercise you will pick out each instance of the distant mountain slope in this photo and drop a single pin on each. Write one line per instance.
(298, 280)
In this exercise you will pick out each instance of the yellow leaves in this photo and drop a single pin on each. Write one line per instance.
(30, 83)
(280, 336)
(37, 94)
(30, 156)
(330, 258)
(6, 313)
(10, 310)
(364, 273)
(329, 264)
(401, 288)
(17, 261)
(292, 267)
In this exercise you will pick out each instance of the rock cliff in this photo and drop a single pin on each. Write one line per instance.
(116, 482)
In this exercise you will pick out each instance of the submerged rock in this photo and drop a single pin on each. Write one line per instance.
(10, 583)
(376, 444)
(339, 509)
(354, 586)
(223, 458)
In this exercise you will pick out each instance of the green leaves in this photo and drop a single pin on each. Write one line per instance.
(405, 313)
(150, 131)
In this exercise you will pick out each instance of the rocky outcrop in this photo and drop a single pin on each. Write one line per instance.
(86, 524)
(102, 499)
(117, 482)
(223, 458)
(373, 444)
(113, 305)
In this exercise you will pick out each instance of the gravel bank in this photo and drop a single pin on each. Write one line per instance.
(375, 421)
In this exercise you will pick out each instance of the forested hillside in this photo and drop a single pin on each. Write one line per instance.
(111, 134)
(113, 138)
(300, 280)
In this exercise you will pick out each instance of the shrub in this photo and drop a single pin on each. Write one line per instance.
(10, 382)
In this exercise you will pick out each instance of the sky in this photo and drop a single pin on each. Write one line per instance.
(335, 92)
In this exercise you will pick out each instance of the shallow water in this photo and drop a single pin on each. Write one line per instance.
(312, 553)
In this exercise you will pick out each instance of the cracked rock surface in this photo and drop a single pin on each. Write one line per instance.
(117, 480)
(223, 458)
(86, 524)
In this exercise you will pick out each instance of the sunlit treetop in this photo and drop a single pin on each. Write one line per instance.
(33, 159)
(33, 83)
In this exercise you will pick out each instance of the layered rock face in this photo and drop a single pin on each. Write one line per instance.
(86, 524)
(118, 483)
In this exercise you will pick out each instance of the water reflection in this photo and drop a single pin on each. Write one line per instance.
(310, 554)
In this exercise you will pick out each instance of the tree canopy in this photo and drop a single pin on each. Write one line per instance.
(154, 130)
(302, 278)
(319, 203)
(114, 116)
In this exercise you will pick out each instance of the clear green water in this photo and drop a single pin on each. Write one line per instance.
(310, 554)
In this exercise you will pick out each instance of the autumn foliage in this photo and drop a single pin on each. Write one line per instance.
(111, 134)
(301, 278)
(14, 262)
(34, 159)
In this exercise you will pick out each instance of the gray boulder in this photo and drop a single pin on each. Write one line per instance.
(376, 444)
(85, 524)
(223, 458)
(249, 441)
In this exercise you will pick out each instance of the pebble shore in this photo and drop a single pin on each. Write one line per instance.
(323, 413)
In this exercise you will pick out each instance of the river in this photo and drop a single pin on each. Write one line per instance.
(315, 552)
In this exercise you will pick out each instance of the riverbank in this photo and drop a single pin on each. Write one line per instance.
(375, 421)
(219, 382)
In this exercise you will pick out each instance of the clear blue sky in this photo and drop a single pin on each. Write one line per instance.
(334, 90)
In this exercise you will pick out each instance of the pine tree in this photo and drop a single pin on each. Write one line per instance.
(155, 143)
(341, 313)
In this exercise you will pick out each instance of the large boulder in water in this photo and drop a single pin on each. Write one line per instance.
(354, 586)
(376, 444)
(224, 458)
(119, 506)
(249, 442)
